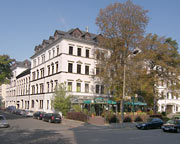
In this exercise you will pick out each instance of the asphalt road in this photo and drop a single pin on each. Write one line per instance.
(31, 131)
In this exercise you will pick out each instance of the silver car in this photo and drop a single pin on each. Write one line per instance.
(3, 122)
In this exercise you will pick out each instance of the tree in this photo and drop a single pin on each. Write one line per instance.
(5, 68)
(62, 100)
(122, 26)
(161, 58)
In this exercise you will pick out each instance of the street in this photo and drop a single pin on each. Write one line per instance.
(31, 131)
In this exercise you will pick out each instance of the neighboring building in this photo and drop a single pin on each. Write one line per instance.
(17, 68)
(23, 89)
(170, 100)
(2, 93)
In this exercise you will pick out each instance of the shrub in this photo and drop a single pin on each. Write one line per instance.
(77, 116)
(110, 117)
(127, 119)
(138, 119)
(165, 119)
(76, 108)
(156, 116)
(163, 113)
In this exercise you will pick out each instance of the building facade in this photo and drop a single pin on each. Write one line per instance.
(11, 90)
(67, 57)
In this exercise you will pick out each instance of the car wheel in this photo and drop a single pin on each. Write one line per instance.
(178, 130)
(50, 121)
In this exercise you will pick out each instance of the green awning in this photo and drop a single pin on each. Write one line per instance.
(111, 102)
(136, 103)
(87, 101)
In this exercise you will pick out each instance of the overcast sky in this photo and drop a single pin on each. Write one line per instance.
(25, 23)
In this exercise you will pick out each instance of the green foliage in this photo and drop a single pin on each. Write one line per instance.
(62, 100)
(5, 68)
(76, 108)
(77, 116)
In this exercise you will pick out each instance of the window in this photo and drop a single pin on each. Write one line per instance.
(47, 104)
(53, 52)
(33, 90)
(41, 88)
(43, 58)
(70, 86)
(97, 89)
(38, 60)
(37, 74)
(57, 50)
(70, 50)
(52, 68)
(57, 67)
(49, 54)
(37, 88)
(48, 70)
(70, 67)
(79, 52)
(56, 83)
(52, 86)
(42, 72)
(87, 53)
(32, 104)
(86, 70)
(102, 89)
(167, 95)
(87, 88)
(33, 75)
(41, 104)
(47, 86)
(97, 71)
(78, 68)
(78, 87)
(34, 62)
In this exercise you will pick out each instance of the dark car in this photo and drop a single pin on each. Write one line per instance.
(150, 124)
(172, 126)
(3, 122)
(38, 115)
(52, 117)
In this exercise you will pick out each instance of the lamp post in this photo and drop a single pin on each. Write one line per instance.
(135, 52)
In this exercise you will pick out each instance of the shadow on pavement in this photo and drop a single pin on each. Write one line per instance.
(37, 136)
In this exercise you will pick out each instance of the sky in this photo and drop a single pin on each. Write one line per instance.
(26, 23)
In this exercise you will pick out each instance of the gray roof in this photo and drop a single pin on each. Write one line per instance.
(22, 64)
(82, 36)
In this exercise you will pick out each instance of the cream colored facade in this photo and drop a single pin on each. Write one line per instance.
(3, 92)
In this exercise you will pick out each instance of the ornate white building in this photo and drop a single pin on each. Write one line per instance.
(67, 57)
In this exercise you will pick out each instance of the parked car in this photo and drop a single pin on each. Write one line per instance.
(52, 117)
(38, 115)
(150, 124)
(172, 126)
(11, 109)
(28, 113)
(3, 122)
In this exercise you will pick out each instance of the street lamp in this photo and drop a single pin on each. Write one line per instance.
(135, 52)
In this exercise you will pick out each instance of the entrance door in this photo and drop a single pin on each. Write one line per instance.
(169, 108)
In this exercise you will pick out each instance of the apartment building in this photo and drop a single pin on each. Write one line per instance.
(2, 93)
(11, 90)
(67, 57)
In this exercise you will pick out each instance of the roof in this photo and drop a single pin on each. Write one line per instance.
(73, 34)
(23, 64)
(24, 73)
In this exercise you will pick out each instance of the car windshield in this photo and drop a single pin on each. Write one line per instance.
(150, 119)
(1, 118)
